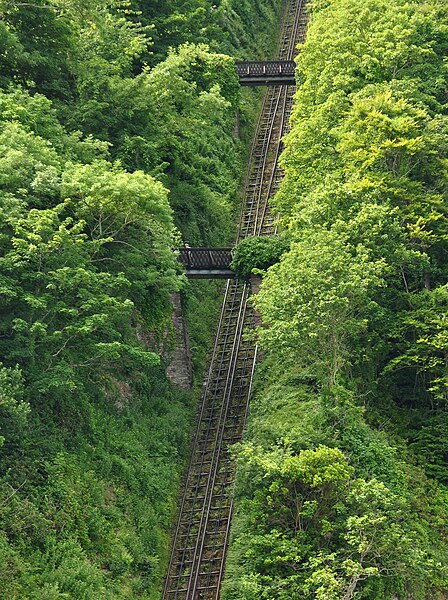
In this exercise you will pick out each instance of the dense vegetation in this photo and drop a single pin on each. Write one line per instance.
(254, 253)
(112, 148)
(342, 475)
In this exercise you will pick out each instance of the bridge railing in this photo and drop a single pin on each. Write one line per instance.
(206, 259)
(268, 71)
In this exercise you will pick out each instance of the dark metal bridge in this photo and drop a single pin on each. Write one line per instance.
(207, 263)
(266, 72)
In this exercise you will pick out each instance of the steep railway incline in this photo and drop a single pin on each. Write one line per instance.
(199, 546)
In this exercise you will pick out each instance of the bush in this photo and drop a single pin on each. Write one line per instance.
(258, 253)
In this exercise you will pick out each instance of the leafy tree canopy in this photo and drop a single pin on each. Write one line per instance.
(335, 496)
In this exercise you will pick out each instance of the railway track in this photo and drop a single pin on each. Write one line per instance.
(200, 541)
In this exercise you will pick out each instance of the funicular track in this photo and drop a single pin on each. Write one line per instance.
(200, 541)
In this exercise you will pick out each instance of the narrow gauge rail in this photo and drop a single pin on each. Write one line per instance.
(200, 541)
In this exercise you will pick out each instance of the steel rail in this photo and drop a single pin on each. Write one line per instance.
(210, 486)
(265, 228)
(259, 222)
(235, 304)
(260, 175)
(257, 173)
(271, 94)
(217, 448)
(224, 333)
(246, 413)
(198, 426)
(284, 51)
(263, 166)
(197, 561)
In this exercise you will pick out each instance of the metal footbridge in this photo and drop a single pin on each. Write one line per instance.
(266, 72)
(201, 536)
(207, 263)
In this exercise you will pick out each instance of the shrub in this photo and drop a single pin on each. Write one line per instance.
(258, 253)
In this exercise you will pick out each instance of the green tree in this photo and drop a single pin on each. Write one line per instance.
(354, 320)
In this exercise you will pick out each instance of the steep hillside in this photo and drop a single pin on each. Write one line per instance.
(112, 147)
(342, 476)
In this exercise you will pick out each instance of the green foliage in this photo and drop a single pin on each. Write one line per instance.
(427, 326)
(315, 513)
(13, 409)
(317, 307)
(430, 443)
(86, 508)
(40, 59)
(76, 275)
(189, 100)
(179, 107)
(116, 125)
(320, 521)
(86, 269)
(364, 191)
(331, 503)
(241, 26)
(258, 253)
(201, 302)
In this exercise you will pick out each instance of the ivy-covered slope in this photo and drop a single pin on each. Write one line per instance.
(342, 479)
(109, 145)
